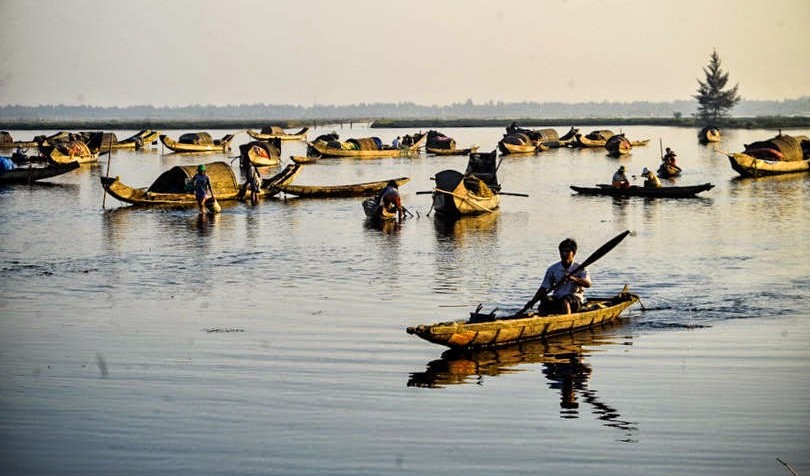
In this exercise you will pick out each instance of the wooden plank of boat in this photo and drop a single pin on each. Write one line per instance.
(322, 149)
(221, 145)
(446, 152)
(286, 176)
(651, 192)
(300, 135)
(465, 334)
(350, 190)
(31, 174)
(749, 166)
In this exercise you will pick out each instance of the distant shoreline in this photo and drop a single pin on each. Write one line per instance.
(759, 122)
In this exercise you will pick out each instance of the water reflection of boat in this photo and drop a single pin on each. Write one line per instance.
(457, 226)
(563, 364)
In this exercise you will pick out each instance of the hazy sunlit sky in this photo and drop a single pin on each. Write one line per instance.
(431, 52)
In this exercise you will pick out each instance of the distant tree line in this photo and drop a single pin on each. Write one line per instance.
(262, 113)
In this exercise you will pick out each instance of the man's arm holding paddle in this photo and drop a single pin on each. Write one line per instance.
(573, 275)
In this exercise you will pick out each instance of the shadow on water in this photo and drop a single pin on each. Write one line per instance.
(563, 365)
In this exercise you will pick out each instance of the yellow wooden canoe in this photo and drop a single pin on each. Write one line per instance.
(511, 329)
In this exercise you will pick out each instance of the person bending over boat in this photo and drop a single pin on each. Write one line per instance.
(650, 179)
(202, 188)
(390, 200)
(567, 290)
(620, 179)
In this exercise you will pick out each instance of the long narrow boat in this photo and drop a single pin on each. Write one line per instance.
(31, 173)
(471, 193)
(651, 192)
(749, 166)
(448, 152)
(276, 132)
(330, 191)
(356, 149)
(170, 187)
(138, 140)
(197, 142)
(487, 330)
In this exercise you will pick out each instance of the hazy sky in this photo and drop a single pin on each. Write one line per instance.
(431, 52)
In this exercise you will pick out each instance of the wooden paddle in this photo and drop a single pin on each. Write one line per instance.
(600, 252)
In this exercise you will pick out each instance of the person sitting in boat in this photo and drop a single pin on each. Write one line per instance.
(390, 200)
(650, 179)
(203, 191)
(396, 142)
(669, 157)
(567, 289)
(620, 179)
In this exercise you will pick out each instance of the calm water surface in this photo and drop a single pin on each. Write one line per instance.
(271, 339)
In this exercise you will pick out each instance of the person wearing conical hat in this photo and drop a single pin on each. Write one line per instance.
(620, 178)
(650, 179)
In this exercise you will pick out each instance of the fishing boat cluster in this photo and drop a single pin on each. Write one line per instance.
(475, 190)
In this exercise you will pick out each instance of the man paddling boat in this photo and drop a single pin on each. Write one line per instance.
(565, 281)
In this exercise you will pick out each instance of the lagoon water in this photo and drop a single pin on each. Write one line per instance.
(271, 339)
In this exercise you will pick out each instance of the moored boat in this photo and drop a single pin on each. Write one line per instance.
(197, 142)
(618, 145)
(749, 166)
(139, 140)
(277, 132)
(440, 144)
(334, 191)
(488, 330)
(470, 193)
(66, 152)
(596, 138)
(782, 154)
(709, 134)
(650, 192)
(363, 148)
(261, 153)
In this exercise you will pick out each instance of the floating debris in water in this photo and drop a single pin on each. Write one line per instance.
(222, 330)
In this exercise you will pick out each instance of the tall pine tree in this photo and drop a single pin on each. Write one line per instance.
(713, 101)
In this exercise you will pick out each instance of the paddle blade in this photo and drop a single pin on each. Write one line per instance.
(604, 249)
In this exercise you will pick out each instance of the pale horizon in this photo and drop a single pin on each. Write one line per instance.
(320, 52)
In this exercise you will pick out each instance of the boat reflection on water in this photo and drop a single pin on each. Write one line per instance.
(456, 228)
(563, 365)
